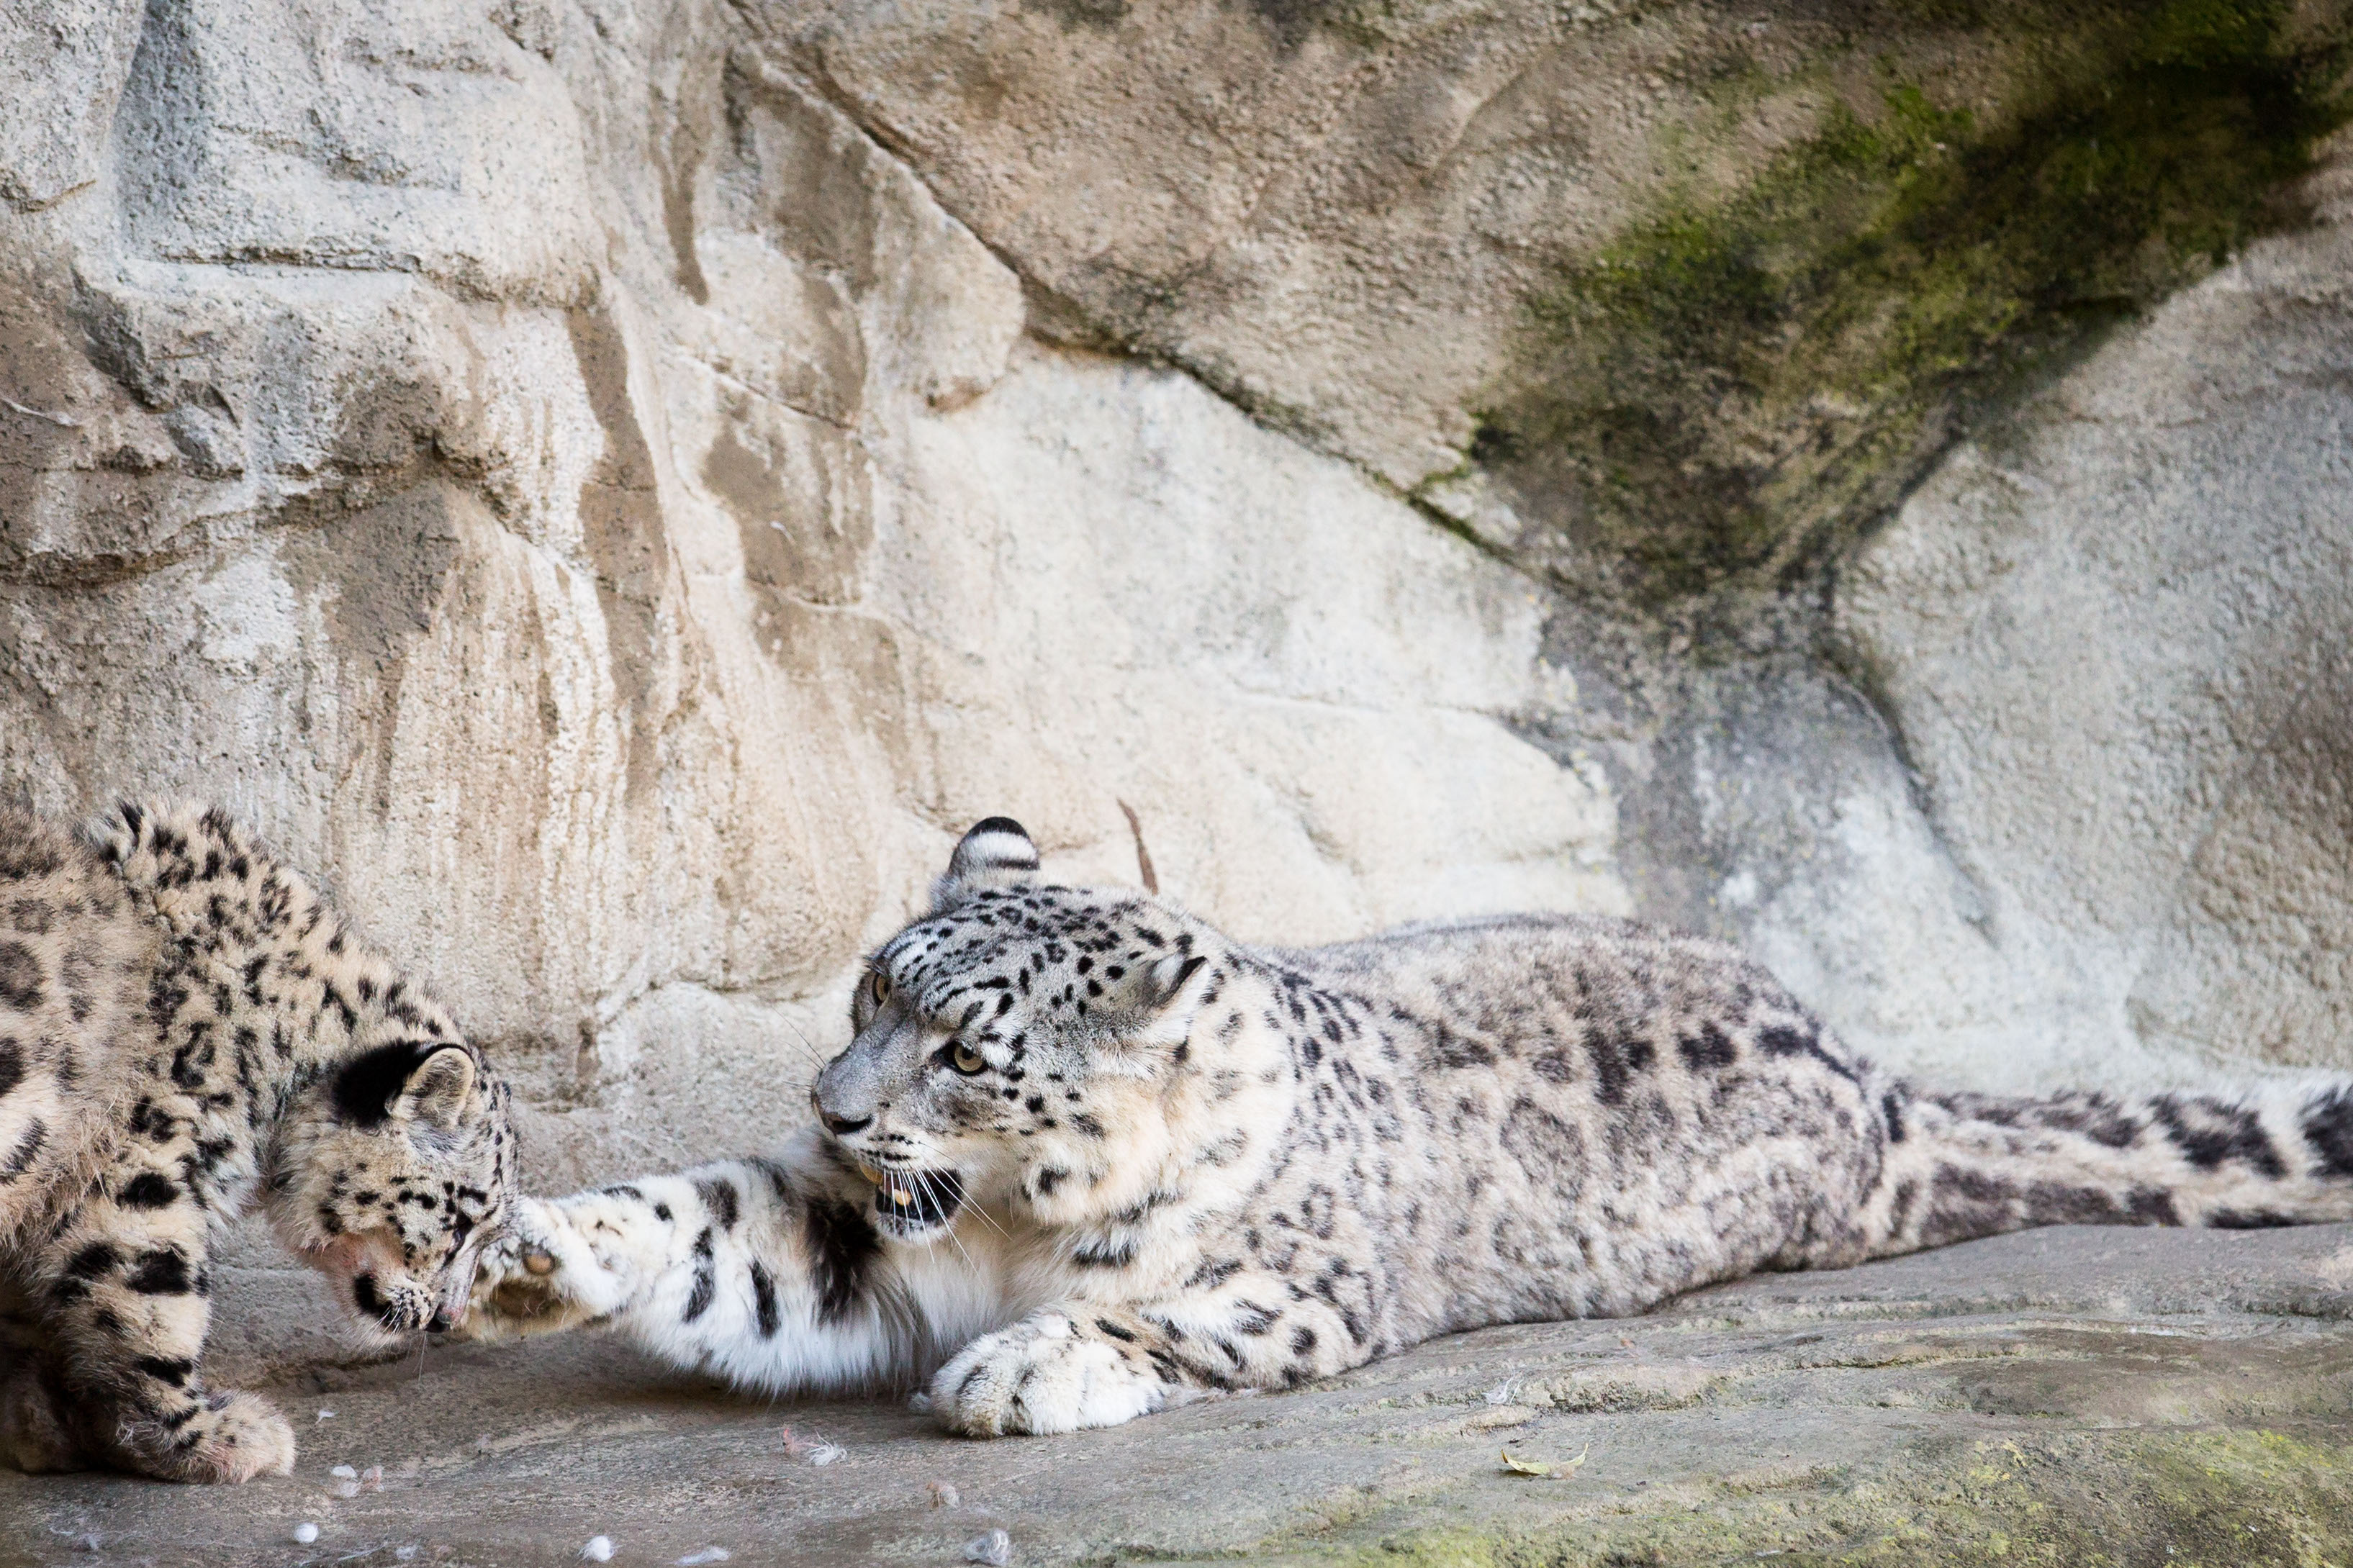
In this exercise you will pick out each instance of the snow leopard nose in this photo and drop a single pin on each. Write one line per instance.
(847, 1093)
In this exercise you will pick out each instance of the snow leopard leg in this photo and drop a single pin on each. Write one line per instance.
(1078, 1364)
(1964, 1166)
(761, 1271)
(123, 1298)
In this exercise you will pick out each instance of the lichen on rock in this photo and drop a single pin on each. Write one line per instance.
(1741, 379)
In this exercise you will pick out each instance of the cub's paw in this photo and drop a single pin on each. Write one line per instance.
(236, 1437)
(1043, 1375)
(539, 1275)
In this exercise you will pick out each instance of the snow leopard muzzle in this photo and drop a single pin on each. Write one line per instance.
(405, 1312)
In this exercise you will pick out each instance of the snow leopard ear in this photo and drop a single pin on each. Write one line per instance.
(408, 1080)
(1140, 1015)
(1156, 985)
(439, 1093)
(997, 853)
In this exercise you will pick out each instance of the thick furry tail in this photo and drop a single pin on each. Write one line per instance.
(1964, 1166)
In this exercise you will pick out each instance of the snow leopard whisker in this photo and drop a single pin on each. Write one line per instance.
(930, 1196)
(808, 1048)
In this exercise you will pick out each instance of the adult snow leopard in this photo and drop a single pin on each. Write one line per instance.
(182, 1023)
(1086, 1156)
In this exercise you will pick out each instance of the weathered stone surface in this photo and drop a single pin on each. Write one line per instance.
(1659, 300)
(2068, 1396)
(2107, 641)
(61, 69)
(619, 554)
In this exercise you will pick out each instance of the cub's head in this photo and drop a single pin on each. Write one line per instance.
(392, 1168)
(1015, 1047)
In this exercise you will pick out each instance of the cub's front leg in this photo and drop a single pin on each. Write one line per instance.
(33, 1436)
(122, 1301)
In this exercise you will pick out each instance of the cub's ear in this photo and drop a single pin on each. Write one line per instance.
(439, 1093)
(997, 853)
(409, 1080)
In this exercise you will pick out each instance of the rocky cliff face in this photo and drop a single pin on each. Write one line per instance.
(617, 487)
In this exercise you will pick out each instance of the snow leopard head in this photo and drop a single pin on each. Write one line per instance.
(1016, 1046)
(392, 1169)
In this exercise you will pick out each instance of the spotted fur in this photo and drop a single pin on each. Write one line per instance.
(183, 1025)
(1086, 1156)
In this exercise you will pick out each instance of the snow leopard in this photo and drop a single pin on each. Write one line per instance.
(1085, 1157)
(185, 1027)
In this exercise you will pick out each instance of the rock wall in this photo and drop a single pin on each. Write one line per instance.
(615, 488)
(573, 489)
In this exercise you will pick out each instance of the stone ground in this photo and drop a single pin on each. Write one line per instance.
(2067, 1397)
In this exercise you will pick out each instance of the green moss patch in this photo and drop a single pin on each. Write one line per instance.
(2186, 1499)
(1736, 383)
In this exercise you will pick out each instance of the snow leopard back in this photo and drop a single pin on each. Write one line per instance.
(1559, 1116)
(73, 962)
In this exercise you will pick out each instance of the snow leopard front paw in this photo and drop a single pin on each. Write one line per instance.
(541, 1274)
(234, 1438)
(1046, 1374)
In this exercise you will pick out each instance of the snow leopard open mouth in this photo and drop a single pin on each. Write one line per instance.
(918, 1198)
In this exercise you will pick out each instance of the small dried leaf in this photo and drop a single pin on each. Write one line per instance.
(1545, 1469)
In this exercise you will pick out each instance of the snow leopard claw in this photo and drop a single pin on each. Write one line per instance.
(539, 1275)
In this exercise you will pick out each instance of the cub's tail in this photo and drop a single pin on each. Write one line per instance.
(1965, 1165)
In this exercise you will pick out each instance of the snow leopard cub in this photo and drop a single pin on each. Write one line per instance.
(184, 1025)
(1085, 1156)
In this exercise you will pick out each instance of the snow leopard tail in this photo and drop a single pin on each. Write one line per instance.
(1965, 1165)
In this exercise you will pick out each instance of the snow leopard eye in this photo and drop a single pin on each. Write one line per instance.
(967, 1060)
(878, 987)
